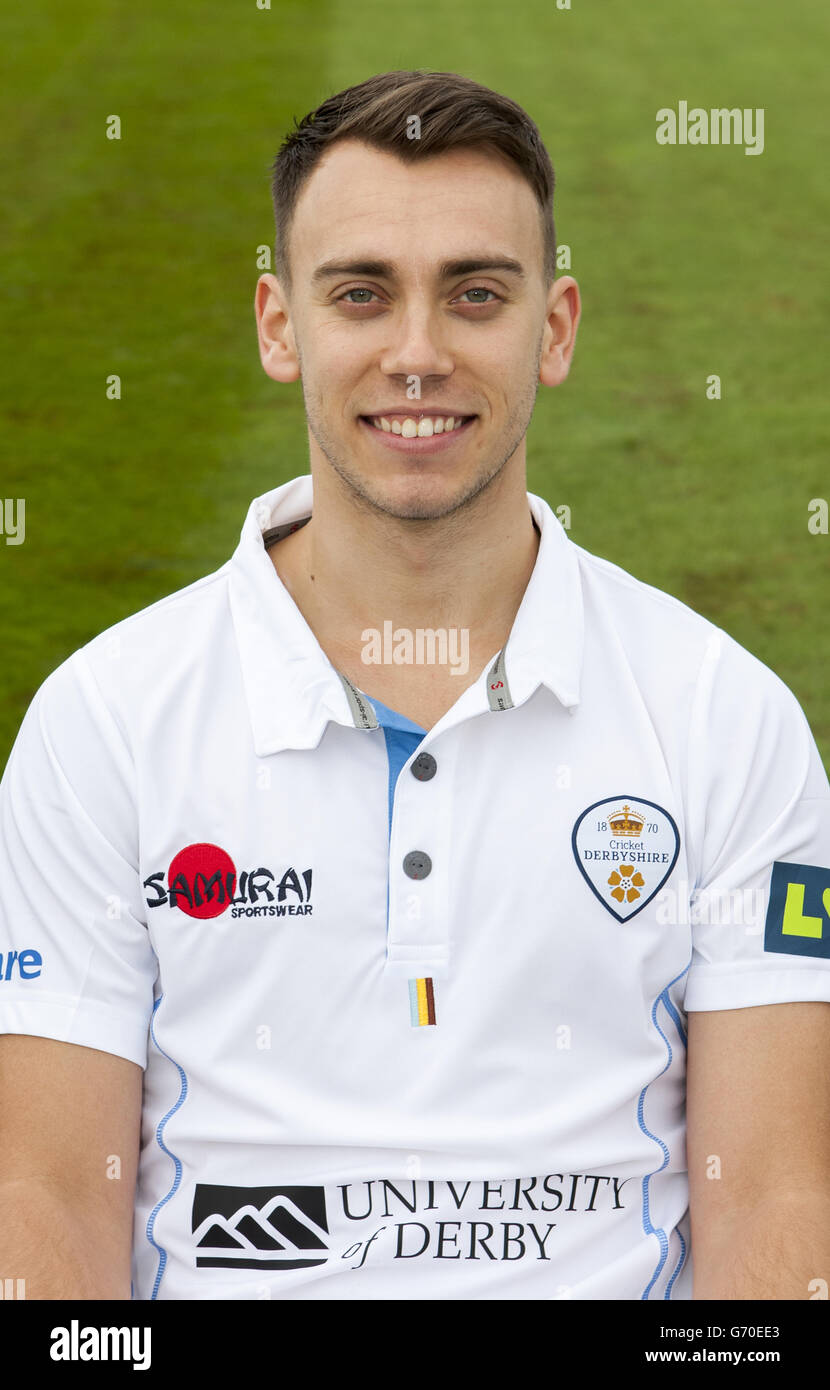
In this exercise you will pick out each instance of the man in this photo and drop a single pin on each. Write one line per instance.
(418, 1002)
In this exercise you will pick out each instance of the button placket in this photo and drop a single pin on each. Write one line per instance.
(419, 853)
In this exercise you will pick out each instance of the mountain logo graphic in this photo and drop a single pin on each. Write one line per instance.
(259, 1227)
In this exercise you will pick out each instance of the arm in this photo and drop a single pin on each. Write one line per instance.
(758, 1111)
(65, 1111)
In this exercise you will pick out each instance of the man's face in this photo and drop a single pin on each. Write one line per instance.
(417, 295)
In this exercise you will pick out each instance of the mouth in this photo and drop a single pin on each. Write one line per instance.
(418, 432)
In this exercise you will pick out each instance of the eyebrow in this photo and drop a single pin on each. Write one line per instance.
(449, 270)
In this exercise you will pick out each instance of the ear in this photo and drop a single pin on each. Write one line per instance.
(277, 348)
(561, 320)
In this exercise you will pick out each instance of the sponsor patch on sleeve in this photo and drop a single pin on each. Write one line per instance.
(798, 915)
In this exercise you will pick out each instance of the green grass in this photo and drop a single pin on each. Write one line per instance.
(138, 257)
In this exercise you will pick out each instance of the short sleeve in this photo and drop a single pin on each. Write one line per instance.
(76, 962)
(759, 826)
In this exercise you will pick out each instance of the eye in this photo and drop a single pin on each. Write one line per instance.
(479, 290)
(366, 292)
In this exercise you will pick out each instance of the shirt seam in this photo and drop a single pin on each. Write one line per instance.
(709, 664)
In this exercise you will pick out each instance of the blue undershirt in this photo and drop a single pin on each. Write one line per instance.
(402, 738)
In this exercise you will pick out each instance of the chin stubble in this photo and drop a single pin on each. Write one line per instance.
(516, 430)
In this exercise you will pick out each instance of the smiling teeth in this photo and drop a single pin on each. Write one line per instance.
(423, 429)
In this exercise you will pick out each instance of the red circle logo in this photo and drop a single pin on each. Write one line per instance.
(201, 880)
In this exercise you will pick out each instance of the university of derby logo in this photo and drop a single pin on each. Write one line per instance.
(259, 1227)
(625, 849)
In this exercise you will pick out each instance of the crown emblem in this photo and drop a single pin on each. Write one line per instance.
(626, 822)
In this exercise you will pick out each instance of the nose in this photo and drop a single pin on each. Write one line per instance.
(417, 345)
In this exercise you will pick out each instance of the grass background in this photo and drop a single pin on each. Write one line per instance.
(138, 257)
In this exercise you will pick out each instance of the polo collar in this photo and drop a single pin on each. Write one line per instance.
(293, 690)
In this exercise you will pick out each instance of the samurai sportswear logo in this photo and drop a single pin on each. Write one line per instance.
(289, 1228)
(201, 882)
(625, 848)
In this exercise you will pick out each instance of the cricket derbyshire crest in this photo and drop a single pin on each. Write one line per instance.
(625, 848)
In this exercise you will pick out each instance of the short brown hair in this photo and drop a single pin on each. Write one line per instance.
(454, 113)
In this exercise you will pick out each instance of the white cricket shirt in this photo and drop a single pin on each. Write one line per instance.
(441, 1058)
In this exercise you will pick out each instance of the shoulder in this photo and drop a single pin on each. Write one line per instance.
(196, 602)
(160, 647)
(668, 642)
(609, 587)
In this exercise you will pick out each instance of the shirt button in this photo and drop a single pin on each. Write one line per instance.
(424, 767)
(417, 864)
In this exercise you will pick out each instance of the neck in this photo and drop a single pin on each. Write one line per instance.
(352, 567)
